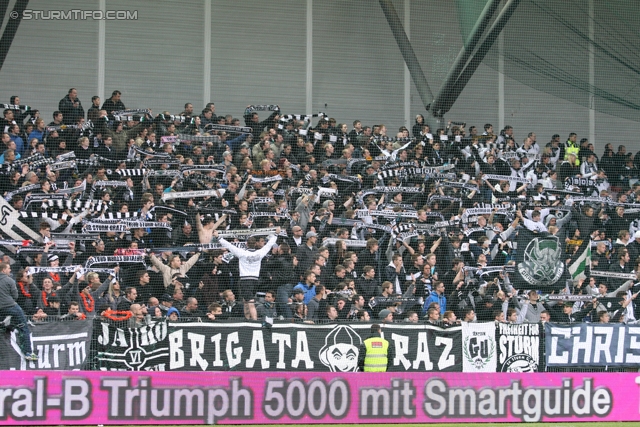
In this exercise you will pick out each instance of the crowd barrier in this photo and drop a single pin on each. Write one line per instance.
(289, 347)
(59, 397)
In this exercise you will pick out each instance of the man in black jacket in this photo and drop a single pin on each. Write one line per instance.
(307, 252)
(9, 308)
(231, 309)
(252, 120)
(563, 313)
(113, 104)
(368, 256)
(71, 107)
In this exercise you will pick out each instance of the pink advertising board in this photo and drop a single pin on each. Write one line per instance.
(55, 397)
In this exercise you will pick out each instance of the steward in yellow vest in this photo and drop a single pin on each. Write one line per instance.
(572, 147)
(375, 352)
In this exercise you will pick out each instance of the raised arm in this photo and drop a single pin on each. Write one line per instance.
(154, 260)
(219, 222)
(202, 235)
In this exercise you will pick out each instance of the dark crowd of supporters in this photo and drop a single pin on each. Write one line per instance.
(353, 222)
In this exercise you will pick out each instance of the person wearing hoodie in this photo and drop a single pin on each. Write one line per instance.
(552, 219)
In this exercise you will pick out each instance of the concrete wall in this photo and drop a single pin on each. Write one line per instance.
(259, 55)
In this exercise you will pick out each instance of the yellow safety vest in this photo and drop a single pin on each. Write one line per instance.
(376, 358)
(572, 148)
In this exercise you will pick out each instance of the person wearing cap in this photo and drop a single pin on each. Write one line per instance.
(307, 286)
(376, 354)
(166, 302)
(297, 296)
(52, 260)
(563, 313)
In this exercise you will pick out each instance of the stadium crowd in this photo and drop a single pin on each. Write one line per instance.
(205, 215)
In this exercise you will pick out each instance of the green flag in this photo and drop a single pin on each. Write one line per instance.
(578, 268)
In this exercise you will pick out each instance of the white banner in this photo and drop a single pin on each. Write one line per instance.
(479, 352)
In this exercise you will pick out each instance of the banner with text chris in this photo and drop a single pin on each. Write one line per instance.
(592, 344)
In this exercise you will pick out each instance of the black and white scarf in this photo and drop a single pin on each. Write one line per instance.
(61, 269)
(104, 228)
(246, 232)
(227, 128)
(152, 172)
(438, 198)
(198, 247)
(101, 184)
(267, 179)
(132, 111)
(69, 164)
(381, 189)
(271, 107)
(269, 214)
(161, 161)
(25, 189)
(468, 187)
(198, 138)
(116, 259)
(509, 178)
(148, 224)
(613, 275)
(16, 107)
(191, 168)
(349, 242)
(132, 172)
(191, 194)
(301, 190)
(83, 237)
(345, 178)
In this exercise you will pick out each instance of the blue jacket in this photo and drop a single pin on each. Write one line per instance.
(234, 143)
(19, 143)
(440, 299)
(309, 291)
(36, 134)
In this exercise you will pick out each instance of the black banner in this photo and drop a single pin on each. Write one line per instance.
(518, 347)
(246, 346)
(59, 346)
(539, 261)
(592, 344)
(117, 347)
